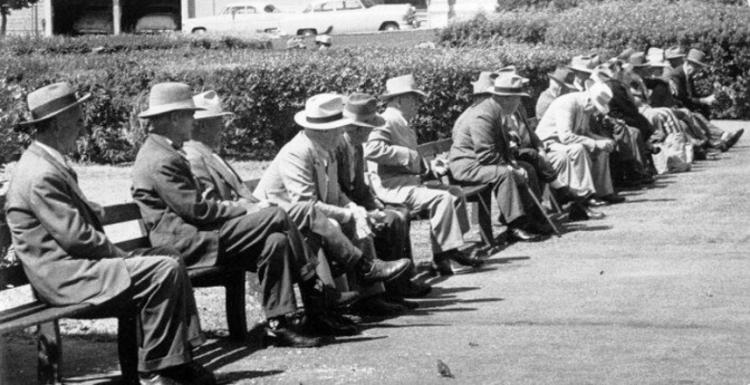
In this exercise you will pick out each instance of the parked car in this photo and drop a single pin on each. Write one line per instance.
(243, 17)
(94, 20)
(346, 16)
(158, 18)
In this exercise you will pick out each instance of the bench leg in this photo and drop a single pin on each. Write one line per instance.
(235, 305)
(484, 217)
(49, 353)
(127, 348)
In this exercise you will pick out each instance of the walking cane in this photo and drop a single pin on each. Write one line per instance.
(546, 216)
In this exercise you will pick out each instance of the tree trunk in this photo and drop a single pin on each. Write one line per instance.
(4, 22)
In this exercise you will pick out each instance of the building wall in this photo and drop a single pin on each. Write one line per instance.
(26, 21)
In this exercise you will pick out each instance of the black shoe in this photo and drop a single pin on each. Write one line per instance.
(595, 202)
(613, 199)
(466, 259)
(200, 374)
(401, 301)
(520, 235)
(385, 271)
(441, 267)
(583, 213)
(330, 325)
(192, 374)
(377, 306)
(159, 379)
(735, 137)
(540, 228)
(327, 297)
(415, 290)
(349, 318)
(284, 336)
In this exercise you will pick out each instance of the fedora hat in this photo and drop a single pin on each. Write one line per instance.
(168, 97)
(674, 52)
(637, 59)
(655, 57)
(51, 100)
(483, 83)
(563, 76)
(602, 73)
(696, 56)
(600, 95)
(583, 63)
(363, 110)
(509, 83)
(210, 104)
(323, 112)
(401, 85)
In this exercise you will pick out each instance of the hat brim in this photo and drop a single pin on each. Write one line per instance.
(179, 106)
(700, 63)
(560, 82)
(301, 120)
(203, 115)
(600, 107)
(55, 113)
(580, 69)
(371, 121)
(492, 91)
(393, 95)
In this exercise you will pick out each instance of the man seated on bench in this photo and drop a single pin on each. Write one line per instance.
(391, 225)
(212, 233)
(305, 170)
(396, 169)
(481, 155)
(58, 236)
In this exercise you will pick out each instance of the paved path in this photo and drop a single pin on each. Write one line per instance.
(656, 293)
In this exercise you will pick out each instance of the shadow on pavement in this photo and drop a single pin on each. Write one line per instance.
(575, 227)
(650, 200)
(232, 377)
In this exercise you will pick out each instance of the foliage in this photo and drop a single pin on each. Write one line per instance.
(522, 26)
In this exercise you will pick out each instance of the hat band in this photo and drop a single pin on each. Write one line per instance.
(326, 119)
(53, 106)
(508, 89)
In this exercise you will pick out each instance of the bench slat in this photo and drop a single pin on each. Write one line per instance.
(124, 212)
(37, 312)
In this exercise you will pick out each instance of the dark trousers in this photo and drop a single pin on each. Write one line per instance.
(513, 200)
(161, 295)
(544, 169)
(392, 242)
(267, 242)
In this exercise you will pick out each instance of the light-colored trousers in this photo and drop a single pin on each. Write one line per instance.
(578, 169)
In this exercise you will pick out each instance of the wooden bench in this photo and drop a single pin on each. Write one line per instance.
(46, 317)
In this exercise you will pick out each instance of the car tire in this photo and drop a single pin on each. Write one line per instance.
(199, 30)
(390, 26)
(307, 32)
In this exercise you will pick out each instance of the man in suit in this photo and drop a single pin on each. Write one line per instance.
(395, 170)
(305, 170)
(559, 84)
(58, 236)
(565, 129)
(390, 225)
(208, 232)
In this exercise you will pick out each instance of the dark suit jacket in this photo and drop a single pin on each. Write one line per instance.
(58, 236)
(683, 90)
(354, 186)
(479, 140)
(217, 179)
(173, 208)
(623, 107)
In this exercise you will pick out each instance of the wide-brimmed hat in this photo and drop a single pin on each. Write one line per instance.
(401, 85)
(211, 106)
(674, 52)
(363, 110)
(483, 83)
(48, 101)
(563, 76)
(637, 60)
(655, 57)
(323, 112)
(584, 63)
(600, 95)
(168, 97)
(602, 73)
(509, 83)
(696, 56)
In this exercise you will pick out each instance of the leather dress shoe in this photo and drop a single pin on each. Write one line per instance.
(331, 325)
(466, 259)
(385, 271)
(521, 235)
(284, 336)
(378, 306)
(415, 290)
(442, 267)
(189, 374)
(201, 375)
(613, 199)
(595, 202)
(581, 213)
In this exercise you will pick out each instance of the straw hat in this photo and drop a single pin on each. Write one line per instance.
(485, 81)
(211, 105)
(49, 101)
(363, 110)
(401, 85)
(323, 112)
(563, 76)
(655, 57)
(696, 56)
(674, 52)
(584, 63)
(168, 97)
(600, 95)
(509, 83)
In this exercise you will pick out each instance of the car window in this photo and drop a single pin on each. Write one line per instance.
(350, 4)
(246, 10)
(368, 3)
(270, 8)
(231, 10)
(328, 6)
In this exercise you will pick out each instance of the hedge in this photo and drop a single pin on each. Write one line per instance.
(264, 88)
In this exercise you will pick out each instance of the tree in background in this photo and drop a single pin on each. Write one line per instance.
(6, 6)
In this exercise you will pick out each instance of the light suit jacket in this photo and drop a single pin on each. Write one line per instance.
(566, 121)
(58, 235)
(301, 172)
(217, 178)
(172, 204)
(394, 165)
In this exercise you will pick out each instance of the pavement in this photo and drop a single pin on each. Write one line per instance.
(655, 293)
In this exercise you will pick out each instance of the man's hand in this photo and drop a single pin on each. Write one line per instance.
(361, 221)
(519, 175)
(605, 145)
(376, 218)
(709, 100)
(439, 167)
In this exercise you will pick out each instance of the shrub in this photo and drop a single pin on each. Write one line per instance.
(263, 88)
(487, 30)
